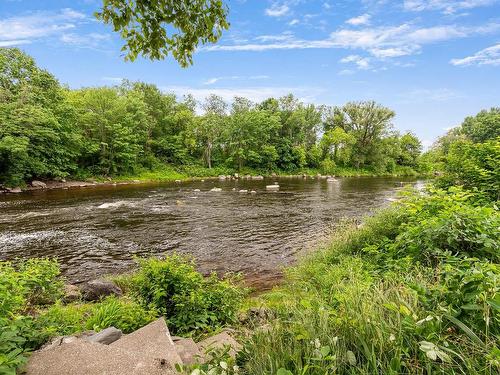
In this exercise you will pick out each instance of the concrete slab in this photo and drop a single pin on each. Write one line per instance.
(152, 341)
(81, 357)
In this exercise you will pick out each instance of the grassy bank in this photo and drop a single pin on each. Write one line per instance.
(170, 173)
(414, 291)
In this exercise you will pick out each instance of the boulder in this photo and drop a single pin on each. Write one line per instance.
(331, 179)
(216, 189)
(220, 341)
(257, 177)
(71, 293)
(106, 336)
(97, 289)
(253, 192)
(38, 184)
(15, 190)
(274, 187)
(187, 350)
(243, 191)
(196, 190)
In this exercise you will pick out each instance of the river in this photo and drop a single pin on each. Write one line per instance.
(98, 230)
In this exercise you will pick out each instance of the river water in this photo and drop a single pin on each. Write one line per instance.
(98, 230)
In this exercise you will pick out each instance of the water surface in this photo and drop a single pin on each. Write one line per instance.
(98, 230)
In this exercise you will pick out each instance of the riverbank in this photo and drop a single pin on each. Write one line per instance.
(406, 291)
(170, 174)
(413, 290)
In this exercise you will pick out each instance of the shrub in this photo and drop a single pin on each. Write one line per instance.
(123, 314)
(189, 301)
(23, 287)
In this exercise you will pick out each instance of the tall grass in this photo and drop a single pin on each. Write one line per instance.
(347, 309)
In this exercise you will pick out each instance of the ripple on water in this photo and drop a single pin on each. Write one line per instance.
(97, 231)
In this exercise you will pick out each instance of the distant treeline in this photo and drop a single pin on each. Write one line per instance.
(48, 131)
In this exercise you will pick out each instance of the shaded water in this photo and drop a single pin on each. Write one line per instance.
(95, 231)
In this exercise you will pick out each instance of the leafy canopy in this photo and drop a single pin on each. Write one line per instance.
(157, 28)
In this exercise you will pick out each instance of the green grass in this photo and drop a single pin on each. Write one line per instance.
(347, 309)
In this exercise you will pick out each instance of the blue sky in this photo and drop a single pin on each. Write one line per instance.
(432, 61)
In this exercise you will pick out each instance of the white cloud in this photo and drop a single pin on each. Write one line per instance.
(213, 80)
(346, 72)
(275, 38)
(255, 94)
(364, 19)
(381, 42)
(91, 40)
(360, 62)
(487, 56)
(445, 6)
(293, 22)
(277, 10)
(11, 43)
(24, 29)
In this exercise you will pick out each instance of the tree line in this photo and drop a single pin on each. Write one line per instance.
(48, 130)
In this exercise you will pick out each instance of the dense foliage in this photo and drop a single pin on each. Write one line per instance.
(49, 131)
(415, 290)
(32, 311)
(191, 303)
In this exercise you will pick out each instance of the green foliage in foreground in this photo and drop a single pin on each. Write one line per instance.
(31, 311)
(415, 290)
(191, 303)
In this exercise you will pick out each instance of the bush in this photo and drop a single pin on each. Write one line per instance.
(190, 302)
(23, 287)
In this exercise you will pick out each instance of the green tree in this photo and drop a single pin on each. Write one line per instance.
(337, 144)
(36, 135)
(211, 125)
(410, 150)
(249, 133)
(368, 122)
(155, 29)
(482, 127)
(114, 128)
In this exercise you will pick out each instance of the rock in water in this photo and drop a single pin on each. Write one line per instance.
(274, 187)
(216, 189)
(38, 184)
(106, 336)
(97, 289)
